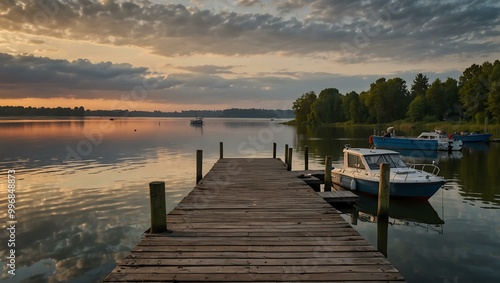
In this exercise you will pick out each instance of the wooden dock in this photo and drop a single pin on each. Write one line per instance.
(251, 220)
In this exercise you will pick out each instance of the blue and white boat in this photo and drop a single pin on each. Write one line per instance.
(472, 137)
(436, 140)
(361, 172)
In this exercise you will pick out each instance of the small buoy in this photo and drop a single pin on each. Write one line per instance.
(353, 184)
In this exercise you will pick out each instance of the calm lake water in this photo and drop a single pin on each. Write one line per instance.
(82, 198)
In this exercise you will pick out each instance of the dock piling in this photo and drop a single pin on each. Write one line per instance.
(158, 207)
(289, 164)
(328, 173)
(306, 158)
(199, 163)
(286, 154)
(384, 191)
(221, 150)
(274, 150)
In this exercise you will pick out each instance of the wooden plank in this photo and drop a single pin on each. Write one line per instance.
(249, 220)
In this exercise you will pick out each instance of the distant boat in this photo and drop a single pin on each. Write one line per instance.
(361, 172)
(197, 121)
(436, 140)
(472, 137)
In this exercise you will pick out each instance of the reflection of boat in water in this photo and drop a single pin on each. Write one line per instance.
(361, 172)
(401, 212)
(404, 210)
(419, 156)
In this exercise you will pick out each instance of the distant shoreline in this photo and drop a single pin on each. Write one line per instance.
(20, 111)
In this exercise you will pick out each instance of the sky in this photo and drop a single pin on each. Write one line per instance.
(217, 54)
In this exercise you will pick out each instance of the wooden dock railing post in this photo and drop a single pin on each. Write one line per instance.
(199, 163)
(158, 207)
(274, 150)
(384, 191)
(286, 154)
(328, 173)
(306, 158)
(221, 150)
(290, 153)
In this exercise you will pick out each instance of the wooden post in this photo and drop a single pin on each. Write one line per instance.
(383, 208)
(384, 191)
(274, 150)
(306, 158)
(328, 173)
(221, 150)
(286, 154)
(382, 234)
(158, 207)
(290, 153)
(199, 162)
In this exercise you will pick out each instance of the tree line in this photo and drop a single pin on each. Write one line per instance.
(474, 97)
(11, 111)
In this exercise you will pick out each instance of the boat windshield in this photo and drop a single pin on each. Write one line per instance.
(394, 161)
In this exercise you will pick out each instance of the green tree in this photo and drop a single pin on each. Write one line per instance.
(302, 106)
(351, 106)
(435, 99)
(327, 108)
(419, 86)
(451, 101)
(494, 95)
(474, 89)
(388, 100)
(417, 109)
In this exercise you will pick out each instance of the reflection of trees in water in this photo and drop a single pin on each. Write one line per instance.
(324, 140)
(479, 174)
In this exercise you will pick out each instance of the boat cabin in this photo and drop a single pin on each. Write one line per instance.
(370, 159)
(436, 135)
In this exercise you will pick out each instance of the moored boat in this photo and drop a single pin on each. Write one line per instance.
(472, 137)
(436, 140)
(197, 121)
(361, 172)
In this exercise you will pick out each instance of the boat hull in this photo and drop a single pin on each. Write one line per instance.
(415, 144)
(473, 138)
(398, 189)
(404, 143)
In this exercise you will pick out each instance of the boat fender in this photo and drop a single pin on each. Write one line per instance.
(353, 184)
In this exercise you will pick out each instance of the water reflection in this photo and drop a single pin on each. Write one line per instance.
(79, 216)
(401, 212)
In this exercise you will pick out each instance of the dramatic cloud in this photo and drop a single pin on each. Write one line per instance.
(352, 30)
(47, 77)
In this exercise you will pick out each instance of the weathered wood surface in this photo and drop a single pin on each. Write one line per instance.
(250, 220)
(339, 196)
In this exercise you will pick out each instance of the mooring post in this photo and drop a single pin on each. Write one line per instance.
(286, 154)
(158, 207)
(328, 173)
(290, 153)
(306, 158)
(199, 162)
(221, 150)
(274, 150)
(383, 208)
(384, 191)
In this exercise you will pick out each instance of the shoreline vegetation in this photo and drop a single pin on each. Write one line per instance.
(468, 102)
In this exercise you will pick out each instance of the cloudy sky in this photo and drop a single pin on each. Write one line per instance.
(215, 54)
